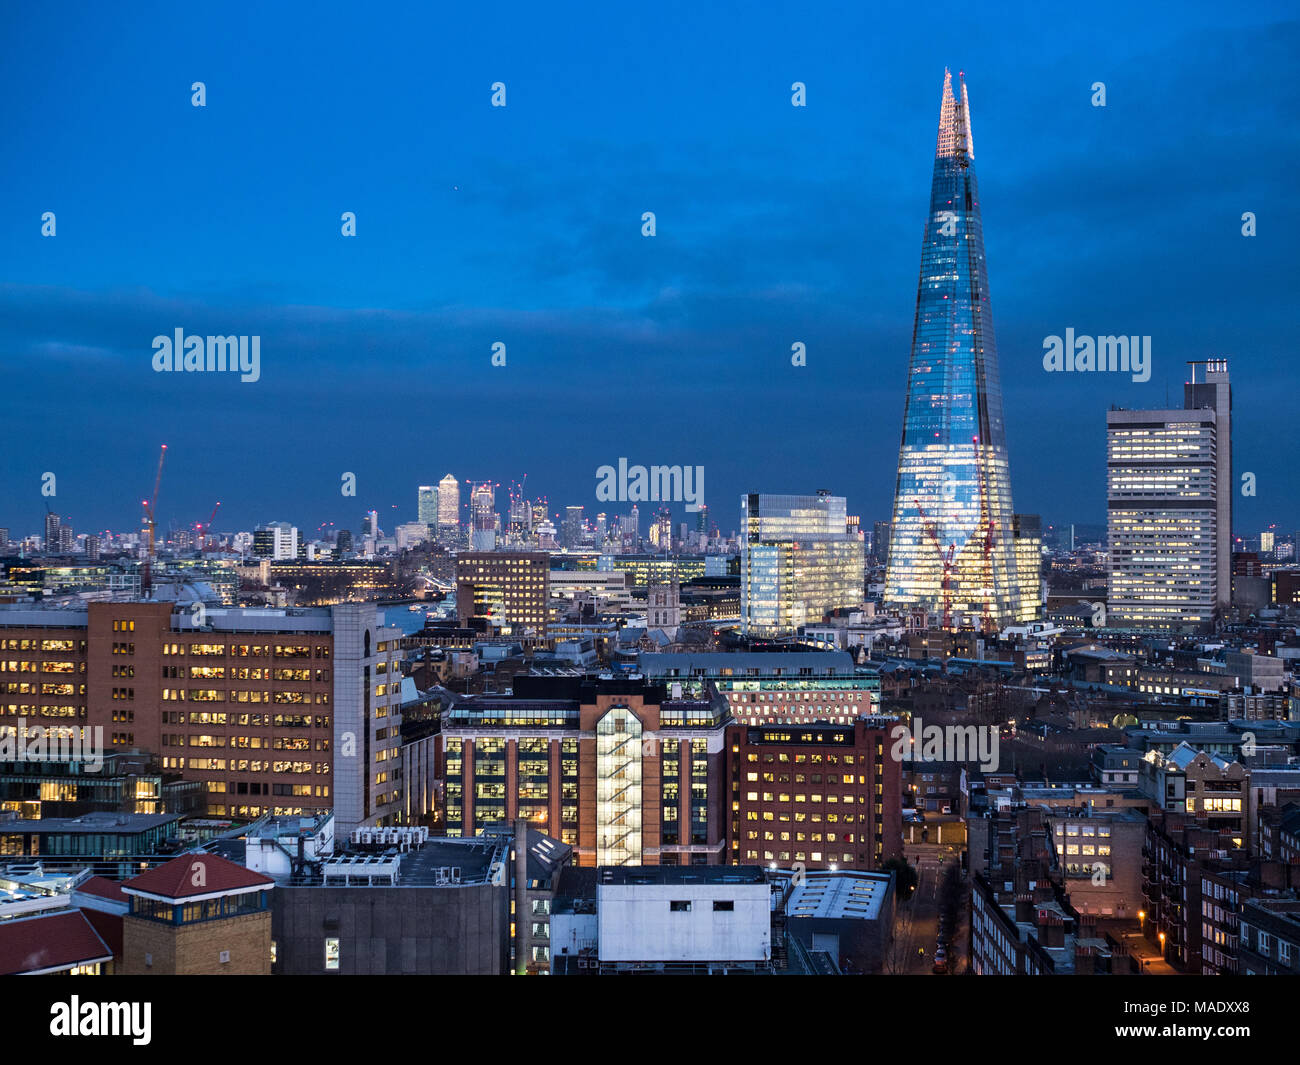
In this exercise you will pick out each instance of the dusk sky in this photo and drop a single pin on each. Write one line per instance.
(522, 224)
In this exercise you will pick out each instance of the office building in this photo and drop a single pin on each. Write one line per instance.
(449, 509)
(483, 517)
(612, 766)
(507, 589)
(427, 506)
(273, 711)
(1169, 501)
(1027, 537)
(824, 796)
(952, 548)
(797, 562)
(277, 540)
(772, 688)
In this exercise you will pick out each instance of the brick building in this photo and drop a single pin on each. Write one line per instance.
(274, 711)
(197, 915)
(608, 765)
(824, 795)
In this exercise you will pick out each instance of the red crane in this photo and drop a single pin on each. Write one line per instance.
(150, 506)
(986, 519)
(205, 531)
(932, 531)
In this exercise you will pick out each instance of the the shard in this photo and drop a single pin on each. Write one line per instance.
(952, 548)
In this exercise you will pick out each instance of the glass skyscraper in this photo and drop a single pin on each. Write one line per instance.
(952, 546)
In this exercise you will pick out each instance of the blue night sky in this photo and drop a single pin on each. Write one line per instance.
(523, 225)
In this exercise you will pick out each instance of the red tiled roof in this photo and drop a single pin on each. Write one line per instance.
(55, 941)
(109, 927)
(196, 874)
(103, 888)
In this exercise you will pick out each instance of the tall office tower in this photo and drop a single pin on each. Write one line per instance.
(880, 541)
(1169, 501)
(483, 517)
(521, 520)
(344, 541)
(427, 505)
(572, 527)
(661, 532)
(1210, 388)
(92, 548)
(951, 548)
(448, 508)
(602, 528)
(4, 541)
(51, 533)
(67, 538)
(797, 562)
(1027, 530)
(277, 540)
(632, 528)
(702, 521)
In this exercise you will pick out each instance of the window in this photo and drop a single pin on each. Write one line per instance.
(723, 905)
(332, 953)
(679, 906)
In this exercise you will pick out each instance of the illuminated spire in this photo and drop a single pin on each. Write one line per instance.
(954, 123)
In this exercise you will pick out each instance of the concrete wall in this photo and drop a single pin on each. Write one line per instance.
(458, 931)
(637, 922)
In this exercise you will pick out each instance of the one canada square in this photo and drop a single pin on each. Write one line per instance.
(952, 549)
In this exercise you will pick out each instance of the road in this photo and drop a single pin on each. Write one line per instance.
(917, 921)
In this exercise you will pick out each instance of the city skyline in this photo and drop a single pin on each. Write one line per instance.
(457, 250)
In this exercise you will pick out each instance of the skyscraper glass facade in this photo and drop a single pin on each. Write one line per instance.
(951, 541)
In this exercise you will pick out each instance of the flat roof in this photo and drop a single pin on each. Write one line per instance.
(851, 894)
(680, 874)
(93, 822)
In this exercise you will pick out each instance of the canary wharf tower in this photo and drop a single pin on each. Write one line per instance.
(952, 541)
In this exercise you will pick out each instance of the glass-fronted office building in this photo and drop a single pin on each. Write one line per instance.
(797, 562)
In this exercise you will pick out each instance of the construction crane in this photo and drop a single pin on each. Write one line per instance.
(205, 531)
(932, 531)
(150, 507)
(986, 520)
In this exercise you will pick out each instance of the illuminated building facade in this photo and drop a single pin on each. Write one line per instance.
(508, 588)
(798, 562)
(448, 508)
(1169, 502)
(254, 704)
(611, 766)
(951, 546)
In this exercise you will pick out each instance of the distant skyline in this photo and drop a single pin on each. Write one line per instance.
(522, 225)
